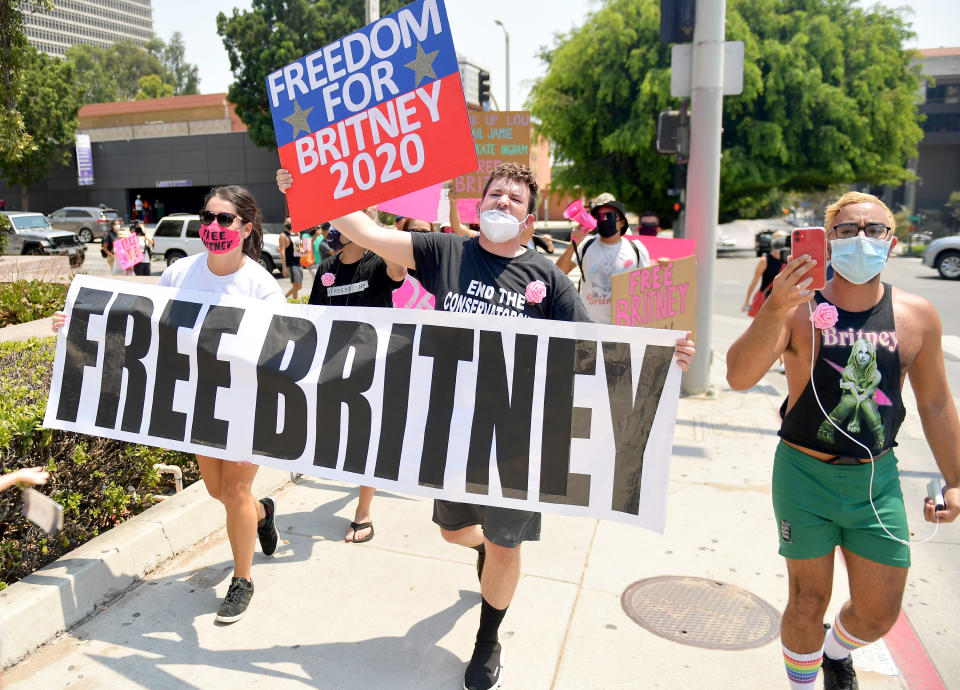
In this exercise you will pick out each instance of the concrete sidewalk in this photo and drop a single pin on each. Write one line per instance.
(401, 611)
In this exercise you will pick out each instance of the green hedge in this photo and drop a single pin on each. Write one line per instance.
(28, 300)
(99, 482)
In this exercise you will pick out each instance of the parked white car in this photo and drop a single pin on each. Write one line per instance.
(178, 235)
(943, 254)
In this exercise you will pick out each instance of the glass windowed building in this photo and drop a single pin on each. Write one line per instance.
(94, 22)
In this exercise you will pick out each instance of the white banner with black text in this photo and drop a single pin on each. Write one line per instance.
(549, 416)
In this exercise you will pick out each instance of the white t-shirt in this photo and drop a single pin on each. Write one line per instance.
(599, 262)
(251, 280)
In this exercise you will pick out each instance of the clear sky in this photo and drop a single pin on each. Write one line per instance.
(530, 23)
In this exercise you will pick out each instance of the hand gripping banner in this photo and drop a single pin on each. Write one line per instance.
(571, 418)
(372, 116)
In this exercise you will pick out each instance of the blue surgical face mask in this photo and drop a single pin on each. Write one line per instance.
(860, 258)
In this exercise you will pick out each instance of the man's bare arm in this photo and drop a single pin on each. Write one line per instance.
(396, 271)
(938, 414)
(751, 356)
(391, 245)
(394, 246)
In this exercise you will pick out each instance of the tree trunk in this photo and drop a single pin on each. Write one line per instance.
(23, 198)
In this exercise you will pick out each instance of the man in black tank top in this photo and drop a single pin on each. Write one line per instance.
(838, 434)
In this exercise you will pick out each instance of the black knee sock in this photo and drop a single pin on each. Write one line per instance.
(490, 619)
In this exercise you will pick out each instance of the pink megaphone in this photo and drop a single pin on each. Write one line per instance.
(578, 214)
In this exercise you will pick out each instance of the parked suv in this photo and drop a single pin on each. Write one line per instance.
(30, 233)
(88, 222)
(943, 254)
(178, 235)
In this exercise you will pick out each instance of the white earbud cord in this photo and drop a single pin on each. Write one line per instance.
(813, 340)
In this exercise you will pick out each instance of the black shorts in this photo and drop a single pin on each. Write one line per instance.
(503, 526)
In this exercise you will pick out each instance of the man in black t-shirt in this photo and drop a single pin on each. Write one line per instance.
(492, 273)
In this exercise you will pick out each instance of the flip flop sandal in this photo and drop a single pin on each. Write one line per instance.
(357, 526)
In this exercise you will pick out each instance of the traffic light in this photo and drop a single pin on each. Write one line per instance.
(483, 87)
(677, 18)
(677, 206)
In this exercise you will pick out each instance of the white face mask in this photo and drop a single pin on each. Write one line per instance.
(498, 226)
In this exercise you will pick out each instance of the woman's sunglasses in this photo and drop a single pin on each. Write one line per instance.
(224, 219)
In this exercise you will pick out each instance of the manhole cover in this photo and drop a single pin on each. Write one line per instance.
(701, 613)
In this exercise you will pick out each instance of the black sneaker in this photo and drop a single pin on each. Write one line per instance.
(267, 528)
(235, 603)
(481, 557)
(839, 675)
(485, 670)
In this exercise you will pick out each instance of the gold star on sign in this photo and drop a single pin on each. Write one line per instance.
(298, 119)
(422, 65)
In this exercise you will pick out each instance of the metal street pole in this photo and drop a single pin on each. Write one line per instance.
(373, 10)
(703, 176)
(506, 38)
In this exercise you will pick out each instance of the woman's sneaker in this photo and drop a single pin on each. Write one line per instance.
(267, 528)
(485, 670)
(235, 603)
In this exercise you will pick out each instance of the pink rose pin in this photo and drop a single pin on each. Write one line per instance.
(327, 279)
(628, 263)
(536, 291)
(824, 316)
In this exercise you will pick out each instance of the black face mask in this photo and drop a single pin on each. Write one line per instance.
(607, 226)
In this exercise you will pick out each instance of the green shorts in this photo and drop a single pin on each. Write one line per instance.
(819, 505)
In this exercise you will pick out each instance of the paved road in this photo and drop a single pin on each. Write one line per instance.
(734, 271)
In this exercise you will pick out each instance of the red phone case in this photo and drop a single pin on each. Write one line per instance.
(812, 241)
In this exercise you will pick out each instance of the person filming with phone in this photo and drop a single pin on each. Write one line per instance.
(848, 345)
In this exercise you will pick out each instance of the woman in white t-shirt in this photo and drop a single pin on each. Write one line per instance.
(230, 228)
(232, 233)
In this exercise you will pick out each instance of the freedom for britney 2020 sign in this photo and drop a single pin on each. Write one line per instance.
(372, 116)
(572, 418)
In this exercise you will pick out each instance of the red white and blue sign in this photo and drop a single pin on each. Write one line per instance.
(372, 116)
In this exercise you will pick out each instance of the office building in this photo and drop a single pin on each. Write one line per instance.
(94, 22)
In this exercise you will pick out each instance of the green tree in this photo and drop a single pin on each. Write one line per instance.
(828, 98)
(953, 207)
(48, 103)
(114, 73)
(275, 33)
(152, 86)
(172, 55)
(15, 140)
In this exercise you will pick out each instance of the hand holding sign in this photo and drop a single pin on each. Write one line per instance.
(372, 116)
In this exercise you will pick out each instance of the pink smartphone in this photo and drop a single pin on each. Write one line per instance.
(813, 242)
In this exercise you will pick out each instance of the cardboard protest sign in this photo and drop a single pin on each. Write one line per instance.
(500, 137)
(658, 296)
(571, 418)
(128, 252)
(372, 116)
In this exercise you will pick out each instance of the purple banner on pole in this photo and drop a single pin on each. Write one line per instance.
(84, 160)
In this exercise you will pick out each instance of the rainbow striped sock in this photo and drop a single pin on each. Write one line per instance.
(838, 643)
(802, 669)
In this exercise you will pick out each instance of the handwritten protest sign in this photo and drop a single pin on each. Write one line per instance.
(658, 296)
(128, 252)
(500, 137)
(372, 116)
(570, 418)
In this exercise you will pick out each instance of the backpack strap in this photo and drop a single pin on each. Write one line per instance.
(580, 254)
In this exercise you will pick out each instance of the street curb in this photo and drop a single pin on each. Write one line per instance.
(63, 593)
